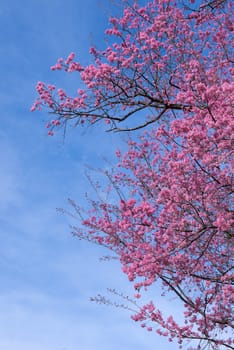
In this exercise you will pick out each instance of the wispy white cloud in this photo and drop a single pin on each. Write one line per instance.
(42, 322)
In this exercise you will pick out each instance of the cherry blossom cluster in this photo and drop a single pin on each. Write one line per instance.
(163, 57)
(169, 65)
(175, 224)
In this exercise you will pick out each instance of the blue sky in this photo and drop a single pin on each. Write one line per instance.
(47, 276)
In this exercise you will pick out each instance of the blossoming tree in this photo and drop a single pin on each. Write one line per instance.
(169, 66)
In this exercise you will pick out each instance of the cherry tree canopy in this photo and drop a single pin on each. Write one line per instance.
(169, 65)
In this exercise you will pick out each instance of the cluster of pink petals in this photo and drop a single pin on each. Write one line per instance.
(163, 56)
(174, 221)
(176, 226)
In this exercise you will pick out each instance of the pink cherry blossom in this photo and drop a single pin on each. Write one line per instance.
(173, 220)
